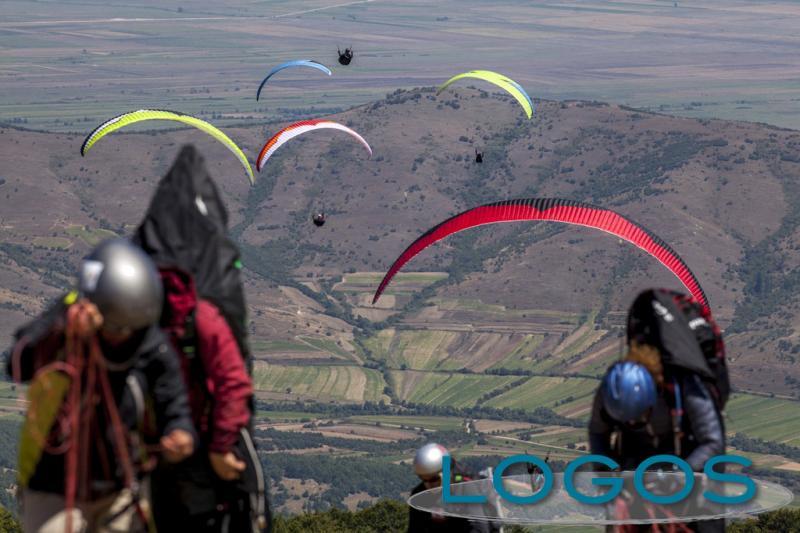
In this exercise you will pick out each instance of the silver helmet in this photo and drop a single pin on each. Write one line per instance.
(122, 281)
(428, 460)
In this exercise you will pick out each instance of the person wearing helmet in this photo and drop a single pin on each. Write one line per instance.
(655, 401)
(345, 57)
(428, 467)
(647, 410)
(94, 361)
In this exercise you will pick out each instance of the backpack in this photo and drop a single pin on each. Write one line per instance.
(686, 335)
(186, 227)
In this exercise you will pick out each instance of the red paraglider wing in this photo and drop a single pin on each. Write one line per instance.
(553, 210)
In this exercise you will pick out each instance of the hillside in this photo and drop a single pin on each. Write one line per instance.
(723, 194)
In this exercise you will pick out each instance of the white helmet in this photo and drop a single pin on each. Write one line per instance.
(428, 460)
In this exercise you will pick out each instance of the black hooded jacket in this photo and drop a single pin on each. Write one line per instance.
(143, 370)
(424, 522)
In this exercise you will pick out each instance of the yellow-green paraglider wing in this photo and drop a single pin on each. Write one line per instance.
(46, 395)
(132, 117)
(509, 85)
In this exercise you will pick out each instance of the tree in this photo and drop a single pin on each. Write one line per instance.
(8, 524)
(780, 521)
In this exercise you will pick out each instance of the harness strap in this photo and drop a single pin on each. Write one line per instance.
(677, 416)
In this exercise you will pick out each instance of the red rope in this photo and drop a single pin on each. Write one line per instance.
(90, 389)
(75, 359)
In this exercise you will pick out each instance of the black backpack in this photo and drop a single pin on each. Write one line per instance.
(686, 335)
(186, 227)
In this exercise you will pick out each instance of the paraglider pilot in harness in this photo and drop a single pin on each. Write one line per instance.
(478, 156)
(95, 361)
(221, 487)
(345, 57)
(666, 397)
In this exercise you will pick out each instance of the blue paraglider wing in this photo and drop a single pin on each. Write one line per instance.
(293, 63)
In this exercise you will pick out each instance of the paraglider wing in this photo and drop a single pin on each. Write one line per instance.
(510, 86)
(299, 128)
(132, 117)
(521, 90)
(293, 63)
(553, 210)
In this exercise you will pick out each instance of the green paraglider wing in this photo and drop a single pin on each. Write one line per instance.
(509, 85)
(132, 117)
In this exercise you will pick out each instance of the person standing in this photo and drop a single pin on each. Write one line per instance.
(94, 360)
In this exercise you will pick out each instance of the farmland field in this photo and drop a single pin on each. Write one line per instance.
(402, 282)
(765, 418)
(427, 422)
(286, 416)
(416, 350)
(538, 391)
(345, 383)
(457, 390)
(90, 235)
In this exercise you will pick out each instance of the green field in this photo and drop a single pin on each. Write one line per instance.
(541, 391)
(466, 304)
(766, 418)
(60, 243)
(561, 438)
(344, 383)
(90, 236)
(457, 390)
(414, 350)
(327, 346)
(370, 280)
(262, 346)
(287, 416)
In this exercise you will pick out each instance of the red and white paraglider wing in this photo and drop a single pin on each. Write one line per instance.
(299, 128)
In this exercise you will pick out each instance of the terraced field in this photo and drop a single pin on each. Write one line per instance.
(416, 350)
(465, 334)
(520, 357)
(340, 382)
(444, 349)
(458, 390)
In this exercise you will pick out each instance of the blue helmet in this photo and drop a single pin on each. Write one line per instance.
(628, 391)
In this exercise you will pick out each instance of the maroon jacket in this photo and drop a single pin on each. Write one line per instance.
(219, 395)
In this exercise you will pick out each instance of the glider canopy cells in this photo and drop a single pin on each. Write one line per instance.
(299, 128)
(293, 63)
(553, 210)
(510, 86)
(132, 117)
